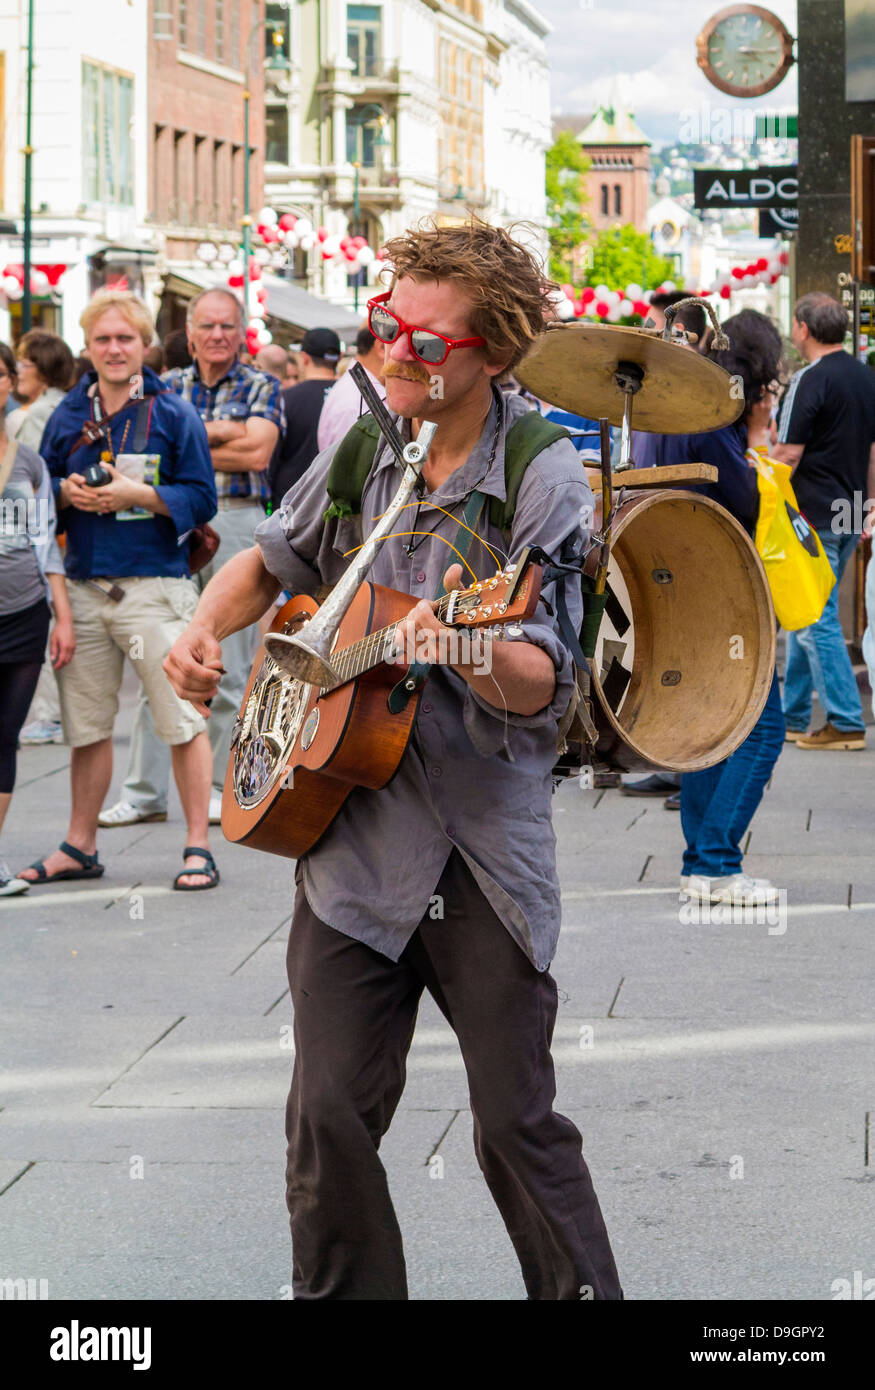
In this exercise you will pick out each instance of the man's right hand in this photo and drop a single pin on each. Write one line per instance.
(194, 667)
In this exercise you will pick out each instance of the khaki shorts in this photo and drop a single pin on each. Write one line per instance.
(142, 627)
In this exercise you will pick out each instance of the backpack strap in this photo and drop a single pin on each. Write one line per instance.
(348, 471)
(527, 437)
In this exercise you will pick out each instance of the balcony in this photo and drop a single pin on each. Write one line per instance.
(378, 76)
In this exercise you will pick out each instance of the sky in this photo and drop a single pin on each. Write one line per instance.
(646, 52)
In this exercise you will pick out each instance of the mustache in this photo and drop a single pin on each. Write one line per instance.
(411, 371)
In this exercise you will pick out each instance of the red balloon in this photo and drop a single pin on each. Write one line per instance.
(602, 309)
(641, 307)
(762, 263)
(738, 273)
(725, 292)
(568, 291)
(236, 282)
(328, 255)
(784, 258)
(587, 295)
(321, 233)
(254, 270)
(287, 222)
(359, 241)
(270, 235)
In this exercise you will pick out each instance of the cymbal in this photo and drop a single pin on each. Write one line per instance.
(573, 364)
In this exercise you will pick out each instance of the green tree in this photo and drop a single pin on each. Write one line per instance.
(566, 165)
(622, 256)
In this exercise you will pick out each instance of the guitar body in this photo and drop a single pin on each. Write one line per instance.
(297, 752)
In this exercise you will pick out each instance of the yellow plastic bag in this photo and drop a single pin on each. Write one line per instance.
(799, 574)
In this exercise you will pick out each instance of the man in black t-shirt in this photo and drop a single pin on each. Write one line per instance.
(298, 446)
(827, 435)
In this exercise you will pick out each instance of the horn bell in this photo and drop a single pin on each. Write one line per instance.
(305, 661)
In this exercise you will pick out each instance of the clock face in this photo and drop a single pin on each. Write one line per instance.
(745, 50)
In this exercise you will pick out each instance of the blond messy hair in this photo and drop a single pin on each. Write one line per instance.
(501, 277)
(127, 303)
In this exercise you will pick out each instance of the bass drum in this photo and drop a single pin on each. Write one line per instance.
(686, 648)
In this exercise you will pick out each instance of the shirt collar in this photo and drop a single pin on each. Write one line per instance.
(471, 474)
(235, 370)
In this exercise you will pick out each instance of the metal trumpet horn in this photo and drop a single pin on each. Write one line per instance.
(306, 655)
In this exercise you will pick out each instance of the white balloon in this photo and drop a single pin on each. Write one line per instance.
(304, 226)
(602, 292)
(626, 308)
(10, 292)
(564, 308)
(258, 310)
(669, 287)
(39, 282)
(613, 297)
(366, 256)
(291, 238)
(264, 337)
(748, 282)
(267, 218)
(235, 267)
(634, 291)
(307, 243)
(614, 314)
(331, 246)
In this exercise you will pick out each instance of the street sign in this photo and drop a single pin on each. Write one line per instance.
(777, 126)
(775, 221)
(766, 187)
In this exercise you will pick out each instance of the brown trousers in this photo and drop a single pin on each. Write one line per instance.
(355, 1011)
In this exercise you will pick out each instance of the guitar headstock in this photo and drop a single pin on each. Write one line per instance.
(509, 596)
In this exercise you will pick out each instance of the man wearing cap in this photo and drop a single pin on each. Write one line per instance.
(344, 402)
(241, 411)
(298, 445)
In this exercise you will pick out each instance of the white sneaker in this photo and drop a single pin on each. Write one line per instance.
(37, 732)
(739, 890)
(215, 807)
(124, 813)
(9, 886)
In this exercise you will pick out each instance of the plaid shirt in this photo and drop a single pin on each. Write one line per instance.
(242, 392)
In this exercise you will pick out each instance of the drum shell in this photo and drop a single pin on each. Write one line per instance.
(703, 630)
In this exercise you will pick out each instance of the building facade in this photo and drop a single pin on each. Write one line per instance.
(618, 182)
(89, 166)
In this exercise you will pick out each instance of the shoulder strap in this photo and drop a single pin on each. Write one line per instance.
(352, 462)
(8, 463)
(527, 437)
(142, 421)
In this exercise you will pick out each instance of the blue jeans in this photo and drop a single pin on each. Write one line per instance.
(718, 804)
(817, 658)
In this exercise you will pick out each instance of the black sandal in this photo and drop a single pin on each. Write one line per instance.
(90, 867)
(209, 870)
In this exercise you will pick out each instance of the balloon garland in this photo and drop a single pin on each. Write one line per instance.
(275, 230)
(42, 279)
(632, 304)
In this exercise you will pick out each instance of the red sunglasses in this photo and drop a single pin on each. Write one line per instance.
(431, 348)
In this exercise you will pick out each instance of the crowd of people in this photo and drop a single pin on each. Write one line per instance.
(263, 422)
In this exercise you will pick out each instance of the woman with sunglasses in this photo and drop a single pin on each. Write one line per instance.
(31, 569)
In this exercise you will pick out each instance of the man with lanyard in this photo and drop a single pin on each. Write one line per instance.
(127, 570)
(446, 879)
(241, 411)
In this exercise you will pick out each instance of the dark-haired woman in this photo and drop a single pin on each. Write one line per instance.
(718, 804)
(45, 371)
(30, 568)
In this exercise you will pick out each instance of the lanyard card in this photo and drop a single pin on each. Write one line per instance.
(142, 468)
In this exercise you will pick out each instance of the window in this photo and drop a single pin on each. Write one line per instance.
(618, 200)
(606, 192)
(107, 141)
(276, 135)
(363, 26)
(277, 17)
(235, 32)
(360, 139)
(202, 27)
(183, 23)
(220, 31)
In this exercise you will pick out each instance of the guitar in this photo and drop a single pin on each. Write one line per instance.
(297, 751)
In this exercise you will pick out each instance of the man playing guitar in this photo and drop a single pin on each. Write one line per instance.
(446, 878)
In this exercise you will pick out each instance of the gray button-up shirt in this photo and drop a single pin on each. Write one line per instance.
(473, 776)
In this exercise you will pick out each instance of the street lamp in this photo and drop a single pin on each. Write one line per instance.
(277, 63)
(382, 142)
(28, 172)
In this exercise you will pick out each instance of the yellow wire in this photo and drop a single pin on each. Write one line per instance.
(462, 524)
(395, 534)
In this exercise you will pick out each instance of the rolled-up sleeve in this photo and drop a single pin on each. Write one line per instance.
(295, 538)
(190, 490)
(554, 513)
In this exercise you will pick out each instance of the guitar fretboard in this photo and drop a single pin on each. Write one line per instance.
(368, 652)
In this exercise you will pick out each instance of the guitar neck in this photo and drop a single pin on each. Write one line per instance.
(370, 651)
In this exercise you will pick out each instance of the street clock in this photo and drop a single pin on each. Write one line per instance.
(745, 50)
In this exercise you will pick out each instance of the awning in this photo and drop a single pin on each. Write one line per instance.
(291, 309)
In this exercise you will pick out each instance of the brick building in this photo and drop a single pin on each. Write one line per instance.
(199, 52)
(618, 182)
